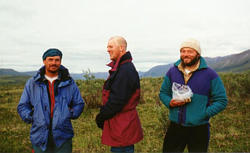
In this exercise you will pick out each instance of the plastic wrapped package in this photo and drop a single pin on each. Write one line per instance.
(181, 92)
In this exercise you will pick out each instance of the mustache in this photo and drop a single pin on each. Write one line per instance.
(186, 57)
(54, 65)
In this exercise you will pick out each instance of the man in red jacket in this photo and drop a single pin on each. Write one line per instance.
(121, 93)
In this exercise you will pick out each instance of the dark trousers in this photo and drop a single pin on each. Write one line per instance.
(177, 137)
(51, 147)
(126, 149)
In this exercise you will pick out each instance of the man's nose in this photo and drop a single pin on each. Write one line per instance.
(184, 53)
(53, 61)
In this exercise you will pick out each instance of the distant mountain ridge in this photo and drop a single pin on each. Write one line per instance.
(10, 72)
(230, 63)
(76, 76)
(233, 63)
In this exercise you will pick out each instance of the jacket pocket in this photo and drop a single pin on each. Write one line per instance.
(65, 116)
(38, 115)
(196, 111)
(64, 109)
(38, 134)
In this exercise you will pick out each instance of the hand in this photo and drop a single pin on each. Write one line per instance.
(176, 103)
(99, 122)
(100, 125)
(187, 100)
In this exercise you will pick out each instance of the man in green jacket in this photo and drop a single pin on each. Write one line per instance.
(190, 116)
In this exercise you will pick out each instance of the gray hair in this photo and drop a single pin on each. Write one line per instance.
(120, 41)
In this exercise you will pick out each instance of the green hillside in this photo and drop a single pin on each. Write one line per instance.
(229, 129)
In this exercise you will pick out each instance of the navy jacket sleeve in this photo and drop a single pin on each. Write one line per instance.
(124, 85)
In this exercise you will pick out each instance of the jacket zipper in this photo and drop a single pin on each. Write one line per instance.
(181, 109)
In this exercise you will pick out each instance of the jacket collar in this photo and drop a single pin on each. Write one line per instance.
(124, 59)
(203, 63)
(63, 74)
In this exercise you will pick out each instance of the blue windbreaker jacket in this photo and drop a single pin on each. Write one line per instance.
(209, 95)
(34, 107)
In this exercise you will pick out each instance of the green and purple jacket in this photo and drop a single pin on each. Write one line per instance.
(209, 95)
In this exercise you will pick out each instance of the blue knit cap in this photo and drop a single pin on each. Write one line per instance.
(52, 52)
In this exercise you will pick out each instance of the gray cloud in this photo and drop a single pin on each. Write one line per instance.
(153, 29)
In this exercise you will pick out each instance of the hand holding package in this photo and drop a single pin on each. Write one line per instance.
(181, 92)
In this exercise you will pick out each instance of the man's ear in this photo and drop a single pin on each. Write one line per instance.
(121, 48)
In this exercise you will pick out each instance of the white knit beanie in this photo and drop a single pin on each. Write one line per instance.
(192, 43)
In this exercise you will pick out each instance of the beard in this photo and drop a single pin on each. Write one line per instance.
(194, 61)
(53, 71)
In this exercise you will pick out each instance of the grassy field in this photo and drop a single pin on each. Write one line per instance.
(229, 129)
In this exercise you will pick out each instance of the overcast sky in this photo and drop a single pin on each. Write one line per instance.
(154, 30)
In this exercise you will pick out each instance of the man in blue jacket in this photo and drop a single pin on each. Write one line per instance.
(49, 101)
(190, 119)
